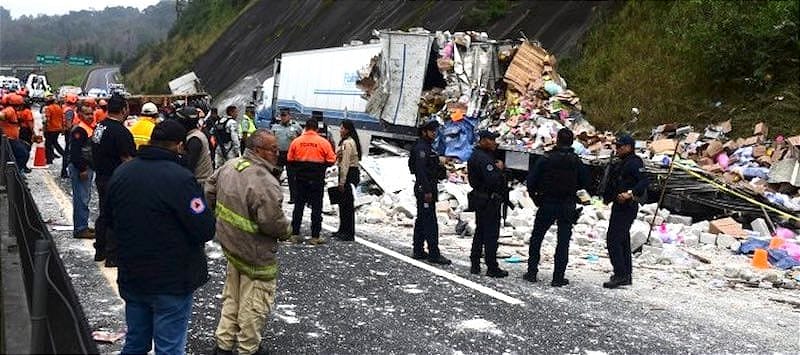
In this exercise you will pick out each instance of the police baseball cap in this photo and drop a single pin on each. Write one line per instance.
(116, 103)
(168, 131)
(625, 139)
(485, 133)
(187, 113)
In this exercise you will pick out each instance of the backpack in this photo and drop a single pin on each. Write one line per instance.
(220, 130)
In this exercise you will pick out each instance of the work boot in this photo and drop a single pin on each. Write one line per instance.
(346, 237)
(615, 282)
(316, 241)
(84, 234)
(110, 263)
(530, 277)
(499, 273)
(559, 282)
(219, 351)
(439, 260)
(475, 269)
(420, 256)
(296, 239)
(99, 256)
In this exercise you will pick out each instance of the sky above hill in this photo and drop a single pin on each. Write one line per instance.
(18, 8)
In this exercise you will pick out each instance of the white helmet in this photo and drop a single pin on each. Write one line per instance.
(149, 109)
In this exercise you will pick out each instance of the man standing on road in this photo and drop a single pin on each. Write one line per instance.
(112, 144)
(553, 184)
(10, 126)
(53, 126)
(428, 170)
(248, 125)
(69, 107)
(81, 173)
(247, 197)
(143, 128)
(208, 128)
(309, 155)
(286, 130)
(226, 132)
(627, 186)
(197, 156)
(489, 188)
(162, 223)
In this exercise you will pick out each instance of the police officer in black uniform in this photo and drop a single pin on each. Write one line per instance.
(489, 188)
(553, 184)
(627, 186)
(424, 164)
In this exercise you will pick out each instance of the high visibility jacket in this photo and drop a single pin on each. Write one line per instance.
(9, 124)
(142, 129)
(55, 118)
(247, 125)
(309, 155)
(250, 220)
(99, 115)
(26, 118)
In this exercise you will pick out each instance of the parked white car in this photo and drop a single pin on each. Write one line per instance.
(96, 92)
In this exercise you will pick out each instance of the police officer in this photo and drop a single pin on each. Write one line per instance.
(489, 187)
(424, 164)
(553, 183)
(286, 130)
(627, 186)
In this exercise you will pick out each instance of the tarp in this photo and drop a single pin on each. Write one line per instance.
(456, 139)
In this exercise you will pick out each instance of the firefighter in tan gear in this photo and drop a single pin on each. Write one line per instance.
(247, 199)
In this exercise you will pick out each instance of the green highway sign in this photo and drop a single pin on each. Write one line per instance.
(79, 60)
(48, 59)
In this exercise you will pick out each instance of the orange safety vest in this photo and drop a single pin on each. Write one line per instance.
(88, 128)
(26, 118)
(99, 115)
(55, 118)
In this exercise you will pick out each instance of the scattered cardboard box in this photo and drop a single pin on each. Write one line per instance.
(759, 151)
(761, 129)
(663, 146)
(795, 141)
(714, 148)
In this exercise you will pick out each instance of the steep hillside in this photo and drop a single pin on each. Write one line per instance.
(110, 35)
(267, 28)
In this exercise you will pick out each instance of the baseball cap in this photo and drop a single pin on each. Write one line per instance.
(187, 113)
(625, 139)
(116, 103)
(431, 123)
(485, 133)
(168, 131)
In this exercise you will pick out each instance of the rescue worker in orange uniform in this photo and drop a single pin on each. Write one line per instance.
(10, 125)
(53, 127)
(309, 155)
(70, 114)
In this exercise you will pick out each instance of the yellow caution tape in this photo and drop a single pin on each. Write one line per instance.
(724, 188)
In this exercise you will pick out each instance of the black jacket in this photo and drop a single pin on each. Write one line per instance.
(424, 164)
(111, 142)
(161, 221)
(557, 176)
(627, 174)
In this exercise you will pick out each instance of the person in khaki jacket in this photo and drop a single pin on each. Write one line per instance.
(347, 157)
(247, 200)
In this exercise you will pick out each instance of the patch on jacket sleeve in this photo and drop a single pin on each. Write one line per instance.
(197, 205)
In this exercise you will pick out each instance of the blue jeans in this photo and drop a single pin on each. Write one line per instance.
(81, 194)
(163, 318)
(22, 152)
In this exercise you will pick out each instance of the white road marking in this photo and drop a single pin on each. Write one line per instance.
(434, 270)
(65, 202)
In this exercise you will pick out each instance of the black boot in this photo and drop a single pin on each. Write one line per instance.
(420, 256)
(615, 282)
(499, 273)
(530, 277)
(475, 269)
(559, 282)
(439, 260)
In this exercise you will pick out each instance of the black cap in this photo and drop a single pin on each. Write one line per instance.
(116, 103)
(625, 139)
(485, 133)
(187, 113)
(168, 131)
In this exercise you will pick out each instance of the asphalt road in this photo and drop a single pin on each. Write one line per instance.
(100, 78)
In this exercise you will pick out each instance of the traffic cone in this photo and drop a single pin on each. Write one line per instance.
(40, 159)
(760, 259)
(775, 243)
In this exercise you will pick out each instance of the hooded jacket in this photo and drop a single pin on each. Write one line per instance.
(247, 200)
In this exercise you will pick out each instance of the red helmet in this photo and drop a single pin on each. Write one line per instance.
(71, 98)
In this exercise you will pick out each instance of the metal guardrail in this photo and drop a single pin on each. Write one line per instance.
(58, 324)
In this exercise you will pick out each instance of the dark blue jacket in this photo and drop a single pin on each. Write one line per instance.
(627, 174)
(424, 164)
(557, 177)
(483, 175)
(161, 221)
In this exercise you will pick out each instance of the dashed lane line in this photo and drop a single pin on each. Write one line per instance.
(434, 270)
(64, 201)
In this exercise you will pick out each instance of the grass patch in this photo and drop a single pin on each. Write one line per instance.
(201, 24)
(692, 62)
(61, 75)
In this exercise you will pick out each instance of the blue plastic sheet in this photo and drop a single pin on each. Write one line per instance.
(779, 259)
(456, 139)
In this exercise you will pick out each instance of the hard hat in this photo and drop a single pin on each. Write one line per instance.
(15, 100)
(187, 113)
(149, 109)
(102, 103)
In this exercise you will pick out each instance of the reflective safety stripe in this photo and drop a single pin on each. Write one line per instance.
(242, 164)
(264, 272)
(236, 220)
